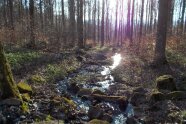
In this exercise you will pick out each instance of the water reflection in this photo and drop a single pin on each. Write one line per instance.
(117, 59)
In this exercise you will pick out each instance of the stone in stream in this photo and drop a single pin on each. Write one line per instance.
(95, 112)
(138, 98)
(166, 82)
(120, 100)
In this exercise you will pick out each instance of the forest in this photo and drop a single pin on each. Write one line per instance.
(92, 61)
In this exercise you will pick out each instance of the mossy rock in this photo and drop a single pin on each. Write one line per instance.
(157, 96)
(26, 97)
(37, 79)
(120, 100)
(95, 112)
(96, 121)
(25, 107)
(166, 82)
(176, 95)
(24, 88)
(84, 92)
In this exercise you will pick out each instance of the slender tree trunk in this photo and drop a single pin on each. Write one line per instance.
(32, 24)
(182, 16)
(160, 57)
(132, 23)
(80, 24)
(103, 24)
(7, 83)
(41, 13)
(116, 23)
(98, 21)
(128, 19)
(72, 27)
(141, 22)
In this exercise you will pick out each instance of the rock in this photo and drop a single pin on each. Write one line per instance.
(100, 57)
(182, 83)
(26, 97)
(99, 92)
(157, 96)
(11, 102)
(131, 120)
(74, 88)
(24, 88)
(37, 79)
(176, 95)
(84, 92)
(122, 101)
(140, 90)
(138, 98)
(166, 82)
(95, 113)
(107, 117)
(96, 121)
(81, 58)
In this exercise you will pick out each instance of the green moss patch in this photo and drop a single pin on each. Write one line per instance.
(24, 87)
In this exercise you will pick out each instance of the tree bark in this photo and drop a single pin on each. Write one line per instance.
(160, 57)
(103, 24)
(7, 83)
(80, 24)
(32, 24)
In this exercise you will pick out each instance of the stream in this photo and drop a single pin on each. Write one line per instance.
(119, 116)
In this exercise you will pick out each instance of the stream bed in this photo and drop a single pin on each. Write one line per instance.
(118, 116)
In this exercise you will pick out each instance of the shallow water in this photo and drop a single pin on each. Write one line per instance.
(118, 118)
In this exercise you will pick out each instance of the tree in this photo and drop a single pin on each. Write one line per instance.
(160, 57)
(141, 22)
(103, 24)
(32, 24)
(182, 16)
(72, 26)
(80, 23)
(7, 83)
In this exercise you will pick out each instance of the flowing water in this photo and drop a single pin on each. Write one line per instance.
(118, 118)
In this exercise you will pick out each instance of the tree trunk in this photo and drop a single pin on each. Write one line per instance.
(72, 27)
(160, 57)
(80, 24)
(7, 83)
(32, 24)
(132, 23)
(103, 24)
(141, 22)
(182, 16)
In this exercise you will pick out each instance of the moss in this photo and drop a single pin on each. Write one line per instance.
(48, 118)
(166, 82)
(26, 97)
(37, 79)
(24, 87)
(96, 121)
(8, 85)
(157, 96)
(176, 95)
(69, 102)
(25, 107)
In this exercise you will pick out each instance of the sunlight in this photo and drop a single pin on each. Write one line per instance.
(117, 59)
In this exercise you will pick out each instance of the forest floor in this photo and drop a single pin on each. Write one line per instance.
(134, 83)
